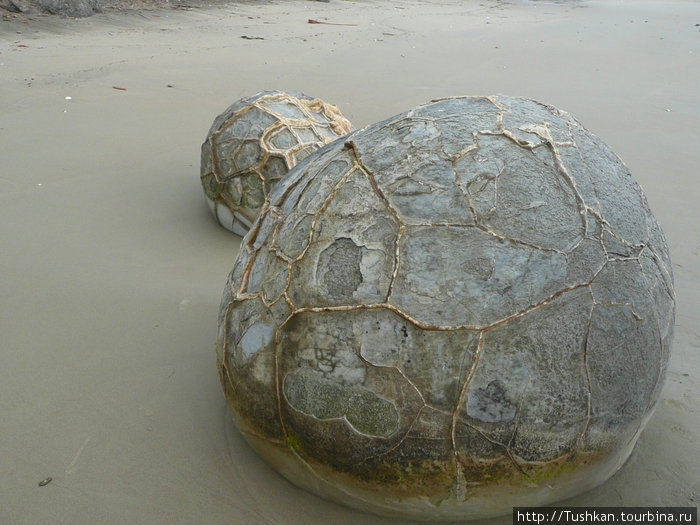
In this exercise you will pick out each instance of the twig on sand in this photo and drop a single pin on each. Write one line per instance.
(312, 21)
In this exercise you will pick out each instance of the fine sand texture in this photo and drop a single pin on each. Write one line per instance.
(111, 266)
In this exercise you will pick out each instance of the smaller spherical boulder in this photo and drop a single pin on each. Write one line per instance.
(254, 143)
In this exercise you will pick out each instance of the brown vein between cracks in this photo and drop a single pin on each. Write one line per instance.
(466, 151)
(545, 134)
(324, 206)
(278, 388)
(399, 443)
(397, 247)
(477, 223)
(455, 414)
(505, 447)
(415, 418)
(352, 147)
(373, 182)
(579, 440)
(252, 252)
(516, 241)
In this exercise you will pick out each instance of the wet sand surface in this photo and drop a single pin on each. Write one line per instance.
(112, 268)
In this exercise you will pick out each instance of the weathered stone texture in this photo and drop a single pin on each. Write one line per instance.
(463, 308)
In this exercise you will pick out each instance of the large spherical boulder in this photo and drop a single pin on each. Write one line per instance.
(254, 143)
(461, 309)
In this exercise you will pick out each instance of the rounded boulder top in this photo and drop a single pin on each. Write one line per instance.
(254, 143)
(464, 308)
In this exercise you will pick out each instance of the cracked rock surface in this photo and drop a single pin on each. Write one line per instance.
(464, 308)
(254, 143)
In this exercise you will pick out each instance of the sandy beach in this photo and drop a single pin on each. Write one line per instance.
(111, 267)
